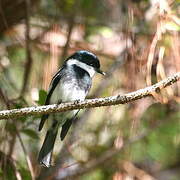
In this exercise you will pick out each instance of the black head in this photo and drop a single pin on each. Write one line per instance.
(87, 58)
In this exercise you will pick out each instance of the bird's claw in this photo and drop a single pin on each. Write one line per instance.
(76, 101)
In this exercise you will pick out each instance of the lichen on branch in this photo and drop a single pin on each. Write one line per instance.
(90, 103)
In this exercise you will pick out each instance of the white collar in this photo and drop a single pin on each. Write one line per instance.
(82, 65)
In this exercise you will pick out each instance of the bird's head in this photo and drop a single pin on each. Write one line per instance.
(87, 61)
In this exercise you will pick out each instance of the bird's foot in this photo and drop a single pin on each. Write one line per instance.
(76, 101)
(59, 102)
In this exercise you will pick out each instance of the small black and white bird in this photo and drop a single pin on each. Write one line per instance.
(71, 83)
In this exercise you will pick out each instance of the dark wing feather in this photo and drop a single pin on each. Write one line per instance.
(55, 80)
(66, 126)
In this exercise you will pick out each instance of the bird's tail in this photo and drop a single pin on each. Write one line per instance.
(45, 153)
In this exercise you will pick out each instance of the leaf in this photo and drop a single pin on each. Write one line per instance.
(42, 97)
(18, 105)
(31, 133)
(24, 172)
(10, 127)
(22, 119)
(106, 32)
(171, 26)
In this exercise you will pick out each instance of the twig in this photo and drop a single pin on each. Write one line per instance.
(28, 64)
(90, 103)
(70, 29)
(80, 169)
(27, 157)
(12, 142)
(6, 101)
(120, 61)
(107, 155)
(151, 55)
(4, 98)
(10, 163)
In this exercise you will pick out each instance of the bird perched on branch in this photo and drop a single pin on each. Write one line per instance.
(71, 83)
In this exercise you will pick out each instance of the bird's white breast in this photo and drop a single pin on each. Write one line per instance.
(67, 92)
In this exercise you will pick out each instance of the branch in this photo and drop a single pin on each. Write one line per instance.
(70, 30)
(80, 169)
(29, 163)
(90, 103)
(29, 61)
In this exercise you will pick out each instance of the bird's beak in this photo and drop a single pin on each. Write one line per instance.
(101, 72)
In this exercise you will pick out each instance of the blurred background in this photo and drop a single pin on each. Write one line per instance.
(137, 42)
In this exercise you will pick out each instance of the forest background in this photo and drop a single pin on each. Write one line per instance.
(137, 42)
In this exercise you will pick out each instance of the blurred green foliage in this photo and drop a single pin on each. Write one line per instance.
(106, 28)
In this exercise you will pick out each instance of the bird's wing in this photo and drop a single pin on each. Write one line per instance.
(66, 126)
(55, 80)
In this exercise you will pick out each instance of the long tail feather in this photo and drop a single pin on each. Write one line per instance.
(45, 153)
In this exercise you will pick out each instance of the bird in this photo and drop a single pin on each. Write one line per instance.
(72, 82)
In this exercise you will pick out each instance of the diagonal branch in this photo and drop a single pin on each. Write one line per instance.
(63, 173)
(80, 169)
(90, 103)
